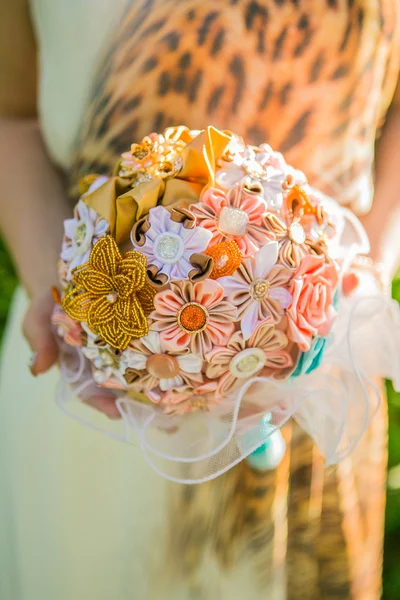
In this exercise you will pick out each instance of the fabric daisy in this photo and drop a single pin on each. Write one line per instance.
(81, 233)
(193, 316)
(254, 171)
(169, 244)
(152, 366)
(259, 289)
(235, 215)
(263, 353)
(292, 237)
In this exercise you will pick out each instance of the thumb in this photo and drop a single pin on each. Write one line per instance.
(38, 332)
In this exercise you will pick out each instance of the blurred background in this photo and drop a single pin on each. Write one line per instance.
(391, 573)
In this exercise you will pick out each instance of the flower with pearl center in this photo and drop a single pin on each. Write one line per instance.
(264, 353)
(81, 233)
(194, 316)
(292, 238)
(169, 245)
(259, 289)
(234, 215)
(110, 292)
(151, 366)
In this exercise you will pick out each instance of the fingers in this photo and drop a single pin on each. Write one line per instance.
(38, 332)
(104, 404)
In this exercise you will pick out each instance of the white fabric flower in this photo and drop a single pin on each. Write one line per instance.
(107, 366)
(169, 245)
(80, 234)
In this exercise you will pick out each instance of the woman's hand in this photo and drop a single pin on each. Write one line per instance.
(37, 330)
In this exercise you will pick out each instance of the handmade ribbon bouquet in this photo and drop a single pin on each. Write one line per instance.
(211, 293)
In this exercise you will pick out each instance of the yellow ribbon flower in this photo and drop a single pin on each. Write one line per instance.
(111, 294)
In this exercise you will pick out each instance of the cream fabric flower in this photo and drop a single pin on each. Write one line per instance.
(155, 367)
(264, 353)
(259, 289)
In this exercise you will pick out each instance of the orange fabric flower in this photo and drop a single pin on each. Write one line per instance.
(111, 294)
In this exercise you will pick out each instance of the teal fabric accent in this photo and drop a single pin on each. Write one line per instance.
(261, 449)
(311, 360)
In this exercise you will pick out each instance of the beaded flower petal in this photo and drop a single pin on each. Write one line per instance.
(110, 292)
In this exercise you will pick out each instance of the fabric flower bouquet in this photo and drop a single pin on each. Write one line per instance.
(211, 293)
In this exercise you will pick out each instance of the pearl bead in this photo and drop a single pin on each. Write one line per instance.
(162, 366)
(270, 454)
(112, 297)
(297, 233)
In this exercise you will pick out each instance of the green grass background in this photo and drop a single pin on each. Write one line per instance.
(8, 282)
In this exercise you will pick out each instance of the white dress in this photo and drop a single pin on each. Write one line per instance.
(65, 500)
(82, 516)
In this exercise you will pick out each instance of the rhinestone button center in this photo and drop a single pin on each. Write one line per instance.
(247, 363)
(233, 221)
(80, 234)
(169, 248)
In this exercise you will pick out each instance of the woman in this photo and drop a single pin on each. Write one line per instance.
(81, 517)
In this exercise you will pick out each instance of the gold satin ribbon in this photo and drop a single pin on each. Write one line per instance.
(121, 205)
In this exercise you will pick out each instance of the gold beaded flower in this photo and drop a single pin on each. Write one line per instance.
(110, 292)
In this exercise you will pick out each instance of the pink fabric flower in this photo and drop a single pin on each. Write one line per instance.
(201, 398)
(194, 316)
(68, 329)
(264, 353)
(259, 288)
(311, 312)
(151, 366)
(236, 215)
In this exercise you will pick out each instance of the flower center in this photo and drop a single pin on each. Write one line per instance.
(169, 248)
(141, 152)
(247, 363)
(80, 234)
(112, 297)
(259, 289)
(193, 318)
(233, 221)
(108, 359)
(297, 233)
(254, 169)
(162, 366)
(227, 258)
(199, 403)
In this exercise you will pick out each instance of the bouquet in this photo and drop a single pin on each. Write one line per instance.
(212, 293)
